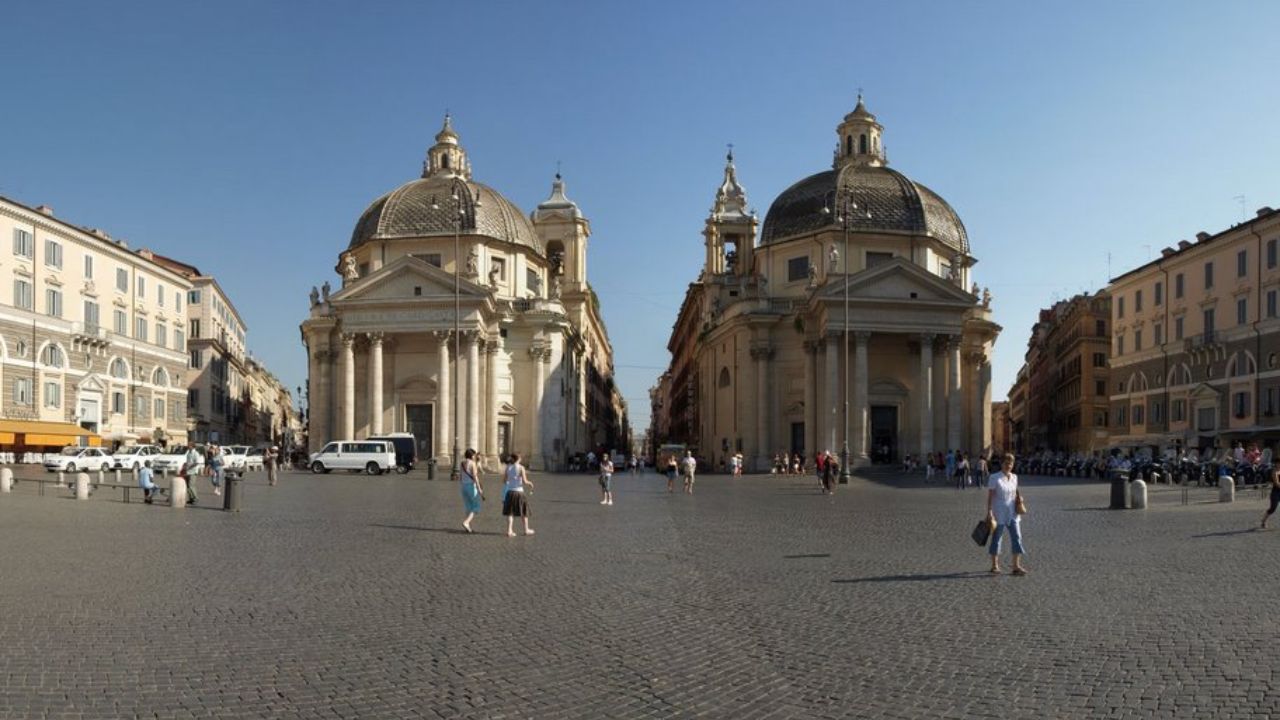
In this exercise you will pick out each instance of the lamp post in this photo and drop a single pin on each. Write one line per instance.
(459, 215)
(846, 209)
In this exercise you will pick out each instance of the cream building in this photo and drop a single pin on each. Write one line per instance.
(760, 360)
(531, 369)
(92, 337)
(1195, 344)
(269, 415)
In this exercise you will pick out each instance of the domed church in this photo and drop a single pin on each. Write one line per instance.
(529, 367)
(857, 292)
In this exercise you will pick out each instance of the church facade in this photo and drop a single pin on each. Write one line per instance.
(851, 316)
(461, 319)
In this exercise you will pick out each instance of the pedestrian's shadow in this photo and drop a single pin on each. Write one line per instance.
(928, 577)
(418, 528)
(1227, 533)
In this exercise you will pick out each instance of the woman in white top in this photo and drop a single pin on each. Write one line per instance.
(514, 501)
(1002, 498)
(606, 481)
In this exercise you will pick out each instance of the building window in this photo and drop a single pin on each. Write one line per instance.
(530, 278)
(1159, 294)
(497, 267)
(1177, 285)
(160, 294)
(22, 391)
(195, 328)
(52, 356)
(22, 294)
(724, 378)
(1137, 340)
(1269, 408)
(1120, 307)
(1100, 387)
(1177, 328)
(117, 403)
(1208, 322)
(1271, 303)
(1206, 419)
(1099, 359)
(53, 253)
(122, 280)
(142, 287)
(162, 335)
(193, 399)
(1271, 253)
(1179, 410)
(797, 268)
(53, 302)
(1121, 415)
(121, 323)
(90, 316)
(140, 329)
(53, 395)
(118, 369)
(88, 267)
(1242, 263)
(878, 258)
(1157, 334)
(1242, 311)
(1208, 275)
(159, 408)
(1100, 418)
(179, 342)
(1137, 301)
(1157, 412)
(1100, 328)
(1138, 411)
(139, 408)
(193, 297)
(23, 245)
(1240, 404)
(1119, 345)
(196, 360)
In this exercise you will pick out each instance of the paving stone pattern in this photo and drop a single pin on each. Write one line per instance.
(345, 596)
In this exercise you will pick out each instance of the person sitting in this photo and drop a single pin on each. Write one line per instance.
(146, 480)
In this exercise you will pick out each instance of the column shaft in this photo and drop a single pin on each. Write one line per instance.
(860, 410)
(810, 397)
(535, 425)
(832, 405)
(473, 391)
(926, 394)
(444, 413)
(348, 388)
(761, 356)
(375, 383)
(955, 399)
(491, 404)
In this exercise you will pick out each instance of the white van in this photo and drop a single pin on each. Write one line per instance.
(372, 456)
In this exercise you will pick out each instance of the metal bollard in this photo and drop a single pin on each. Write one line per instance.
(6, 480)
(231, 494)
(178, 493)
(1117, 490)
(82, 486)
(1139, 495)
(1226, 489)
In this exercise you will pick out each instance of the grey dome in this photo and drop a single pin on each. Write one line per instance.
(895, 202)
(406, 212)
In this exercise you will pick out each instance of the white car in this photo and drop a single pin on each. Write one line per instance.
(173, 459)
(78, 459)
(371, 456)
(235, 459)
(253, 461)
(133, 457)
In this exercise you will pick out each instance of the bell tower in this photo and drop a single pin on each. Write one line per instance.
(447, 155)
(731, 231)
(564, 230)
(859, 139)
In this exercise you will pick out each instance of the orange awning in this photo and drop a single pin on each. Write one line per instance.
(43, 434)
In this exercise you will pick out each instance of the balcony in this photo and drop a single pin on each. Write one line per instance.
(90, 334)
(1204, 340)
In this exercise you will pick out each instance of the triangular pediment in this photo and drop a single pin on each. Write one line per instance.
(408, 277)
(507, 409)
(91, 383)
(1204, 390)
(899, 280)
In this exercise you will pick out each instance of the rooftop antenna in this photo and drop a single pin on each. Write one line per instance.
(1243, 212)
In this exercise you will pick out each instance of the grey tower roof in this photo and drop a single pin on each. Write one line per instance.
(895, 202)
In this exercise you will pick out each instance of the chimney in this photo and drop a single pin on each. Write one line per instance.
(1166, 252)
(1184, 244)
(44, 210)
(1202, 236)
(1264, 210)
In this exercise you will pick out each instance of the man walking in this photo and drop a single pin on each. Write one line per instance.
(269, 461)
(688, 467)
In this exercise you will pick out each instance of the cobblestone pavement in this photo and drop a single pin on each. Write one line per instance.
(348, 596)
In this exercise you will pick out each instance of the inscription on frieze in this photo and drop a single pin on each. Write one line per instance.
(377, 318)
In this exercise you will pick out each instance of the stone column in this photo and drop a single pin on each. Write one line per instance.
(444, 412)
(375, 383)
(473, 390)
(539, 355)
(491, 402)
(832, 406)
(760, 354)
(860, 411)
(955, 398)
(926, 393)
(810, 395)
(348, 427)
(982, 397)
(320, 402)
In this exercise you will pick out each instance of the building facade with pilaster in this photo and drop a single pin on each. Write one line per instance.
(857, 287)
(529, 367)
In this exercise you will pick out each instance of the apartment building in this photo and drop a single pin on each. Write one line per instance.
(92, 337)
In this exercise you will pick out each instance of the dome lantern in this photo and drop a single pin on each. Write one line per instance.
(447, 155)
(859, 139)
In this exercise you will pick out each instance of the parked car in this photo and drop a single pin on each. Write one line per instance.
(173, 459)
(406, 449)
(132, 457)
(78, 459)
(235, 459)
(371, 456)
(253, 460)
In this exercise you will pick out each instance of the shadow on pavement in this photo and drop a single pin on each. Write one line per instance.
(1227, 533)
(913, 578)
(810, 555)
(418, 528)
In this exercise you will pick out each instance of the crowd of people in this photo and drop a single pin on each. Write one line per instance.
(209, 462)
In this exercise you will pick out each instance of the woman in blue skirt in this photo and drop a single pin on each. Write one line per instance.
(472, 491)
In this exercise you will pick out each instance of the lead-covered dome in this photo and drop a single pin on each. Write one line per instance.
(887, 200)
(426, 207)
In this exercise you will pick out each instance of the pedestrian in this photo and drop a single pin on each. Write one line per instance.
(672, 468)
(146, 480)
(982, 469)
(606, 481)
(1275, 495)
(950, 464)
(192, 466)
(830, 471)
(472, 490)
(1003, 497)
(514, 501)
(962, 471)
(688, 468)
(270, 461)
(928, 467)
(216, 462)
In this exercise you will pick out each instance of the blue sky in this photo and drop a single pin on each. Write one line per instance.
(247, 137)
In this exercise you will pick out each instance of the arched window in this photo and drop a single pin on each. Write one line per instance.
(862, 144)
(118, 369)
(160, 377)
(724, 377)
(444, 161)
(52, 356)
(848, 144)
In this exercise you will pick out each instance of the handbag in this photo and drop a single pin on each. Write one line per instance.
(982, 532)
(1019, 505)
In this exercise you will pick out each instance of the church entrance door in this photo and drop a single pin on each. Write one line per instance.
(884, 433)
(418, 422)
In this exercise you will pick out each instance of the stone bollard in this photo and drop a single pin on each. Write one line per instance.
(1128, 492)
(6, 480)
(1139, 495)
(82, 486)
(62, 480)
(178, 493)
(117, 476)
(1226, 489)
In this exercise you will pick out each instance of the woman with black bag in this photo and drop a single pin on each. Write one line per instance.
(1004, 506)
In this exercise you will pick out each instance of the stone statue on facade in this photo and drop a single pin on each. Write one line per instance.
(833, 260)
(473, 263)
(554, 291)
(315, 296)
(986, 297)
(974, 291)
(348, 268)
(493, 275)
(535, 284)
(813, 276)
(324, 292)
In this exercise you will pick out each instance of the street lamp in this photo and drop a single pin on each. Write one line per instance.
(459, 215)
(847, 211)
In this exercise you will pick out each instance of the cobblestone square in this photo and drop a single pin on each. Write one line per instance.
(346, 596)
